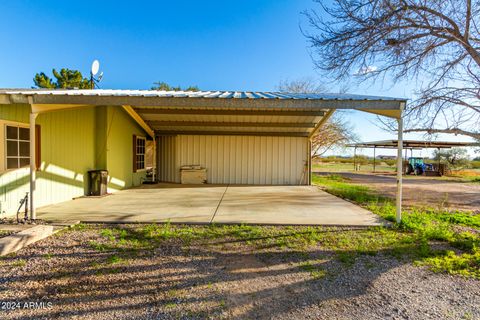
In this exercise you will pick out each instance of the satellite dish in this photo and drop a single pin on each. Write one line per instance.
(95, 67)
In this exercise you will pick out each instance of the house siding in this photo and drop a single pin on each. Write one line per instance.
(120, 129)
(73, 142)
(13, 183)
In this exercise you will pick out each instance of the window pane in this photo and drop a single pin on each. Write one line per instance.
(24, 134)
(24, 149)
(12, 148)
(12, 163)
(12, 132)
(24, 162)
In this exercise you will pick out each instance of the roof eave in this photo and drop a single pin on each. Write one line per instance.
(155, 101)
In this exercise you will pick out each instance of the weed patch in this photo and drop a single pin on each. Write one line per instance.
(19, 263)
(346, 258)
(115, 259)
(314, 268)
(413, 235)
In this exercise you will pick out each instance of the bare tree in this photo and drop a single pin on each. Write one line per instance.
(434, 42)
(336, 132)
(302, 85)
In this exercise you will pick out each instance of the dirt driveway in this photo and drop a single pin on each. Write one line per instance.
(430, 191)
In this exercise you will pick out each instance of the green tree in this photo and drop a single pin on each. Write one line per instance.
(160, 85)
(65, 79)
(455, 157)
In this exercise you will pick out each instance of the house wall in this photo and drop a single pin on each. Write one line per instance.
(67, 153)
(13, 183)
(235, 159)
(73, 142)
(120, 129)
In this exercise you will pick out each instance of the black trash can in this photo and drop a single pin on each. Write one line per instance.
(97, 182)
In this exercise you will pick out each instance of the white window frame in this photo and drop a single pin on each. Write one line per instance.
(5, 139)
(144, 153)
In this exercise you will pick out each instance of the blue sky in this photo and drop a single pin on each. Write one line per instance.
(216, 45)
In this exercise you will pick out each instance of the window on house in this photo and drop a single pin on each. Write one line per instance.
(17, 147)
(140, 153)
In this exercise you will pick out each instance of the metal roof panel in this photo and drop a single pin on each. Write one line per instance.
(197, 94)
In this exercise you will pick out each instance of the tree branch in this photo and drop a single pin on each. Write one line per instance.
(455, 131)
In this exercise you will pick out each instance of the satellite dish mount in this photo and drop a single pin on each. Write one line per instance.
(93, 72)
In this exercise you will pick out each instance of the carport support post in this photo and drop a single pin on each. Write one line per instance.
(399, 166)
(309, 164)
(355, 159)
(374, 148)
(33, 167)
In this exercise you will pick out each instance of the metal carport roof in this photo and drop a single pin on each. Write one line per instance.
(254, 113)
(212, 112)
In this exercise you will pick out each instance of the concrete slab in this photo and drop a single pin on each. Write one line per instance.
(176, 204)
(19, 240)
(301, 205)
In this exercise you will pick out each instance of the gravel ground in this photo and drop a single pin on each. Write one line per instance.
(222, 280)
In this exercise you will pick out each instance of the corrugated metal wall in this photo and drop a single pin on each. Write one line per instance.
(167, 166)
(235, 159)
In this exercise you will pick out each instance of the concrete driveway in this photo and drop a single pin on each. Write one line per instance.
(302, 205)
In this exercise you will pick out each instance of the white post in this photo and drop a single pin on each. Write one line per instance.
(399, 166)
(309, 162)
(33, 167)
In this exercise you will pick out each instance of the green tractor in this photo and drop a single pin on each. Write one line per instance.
(417, 166)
